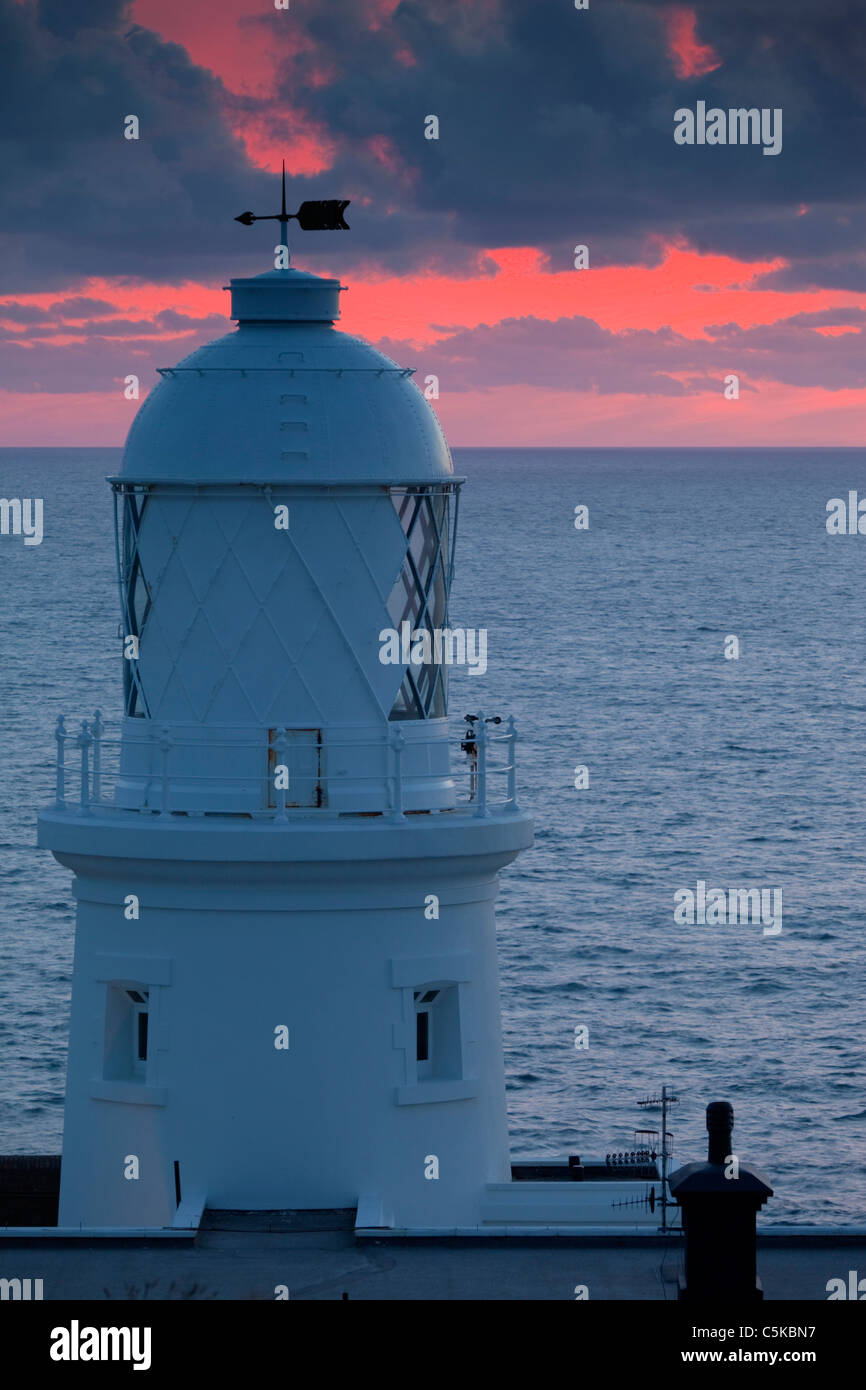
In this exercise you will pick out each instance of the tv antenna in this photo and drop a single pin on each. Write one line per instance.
(662, 1102)
(316, 215)
(647, 1160)
(648, 1201)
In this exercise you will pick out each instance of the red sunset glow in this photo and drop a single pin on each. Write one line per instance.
(692, 295)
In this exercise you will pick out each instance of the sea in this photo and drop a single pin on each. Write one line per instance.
(655, 753)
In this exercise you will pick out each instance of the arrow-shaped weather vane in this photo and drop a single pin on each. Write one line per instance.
(320, 215)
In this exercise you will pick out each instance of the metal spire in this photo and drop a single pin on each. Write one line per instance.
(318, 215)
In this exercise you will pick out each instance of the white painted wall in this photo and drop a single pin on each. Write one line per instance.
(328, 946)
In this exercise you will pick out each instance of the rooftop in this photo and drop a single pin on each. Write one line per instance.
(326, 1264)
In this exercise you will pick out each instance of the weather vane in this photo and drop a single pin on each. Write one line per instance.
(320, 215)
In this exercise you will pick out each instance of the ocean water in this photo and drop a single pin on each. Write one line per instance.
(607, 645)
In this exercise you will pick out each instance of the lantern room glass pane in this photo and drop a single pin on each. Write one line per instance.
(423, 541)
(407, 705)
(135, 590)
(420, 594)
(405, 602)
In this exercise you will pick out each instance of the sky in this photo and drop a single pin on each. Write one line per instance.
(556, 129)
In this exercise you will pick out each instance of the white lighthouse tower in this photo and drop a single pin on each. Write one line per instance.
(285, 989)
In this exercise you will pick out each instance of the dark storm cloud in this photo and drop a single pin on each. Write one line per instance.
(80, 200)
(66, 19)
(569, 355)
(24, 313)
(99, 363)
(50, 325)
(77, 307)
(80, 307)
(830, 274)
(828, 318)
(556, 128)
(575, 354)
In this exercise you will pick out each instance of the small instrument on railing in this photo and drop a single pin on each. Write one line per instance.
(474, 745)
(469, 744)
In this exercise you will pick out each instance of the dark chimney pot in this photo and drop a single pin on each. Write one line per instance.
(719, 1211)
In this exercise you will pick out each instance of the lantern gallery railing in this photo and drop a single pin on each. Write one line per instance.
(282, 774)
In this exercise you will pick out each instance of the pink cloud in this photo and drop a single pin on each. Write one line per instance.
(690, 57)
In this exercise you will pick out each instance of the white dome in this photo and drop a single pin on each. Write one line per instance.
(286, 399)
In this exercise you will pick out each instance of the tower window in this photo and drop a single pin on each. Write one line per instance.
(142, 1036)
(140, 1000)
(437, 1033)
(423, 1025)
(127, 1019)
(436, 1029)
(422, 1035)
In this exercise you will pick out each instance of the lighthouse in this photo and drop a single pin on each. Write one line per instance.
(285, 990)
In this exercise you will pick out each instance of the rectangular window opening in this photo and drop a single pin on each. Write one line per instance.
(422, 1035)
(127, 1032)
(438, 1045)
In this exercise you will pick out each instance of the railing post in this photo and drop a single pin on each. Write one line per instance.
(61, 736)
(97, 729)
(511, 781)
(398, 743)
(281, 744)
(83, 742)
(165, 746)
(481, 742)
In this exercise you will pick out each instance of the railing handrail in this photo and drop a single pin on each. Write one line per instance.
(204, 746)
(162, 740)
